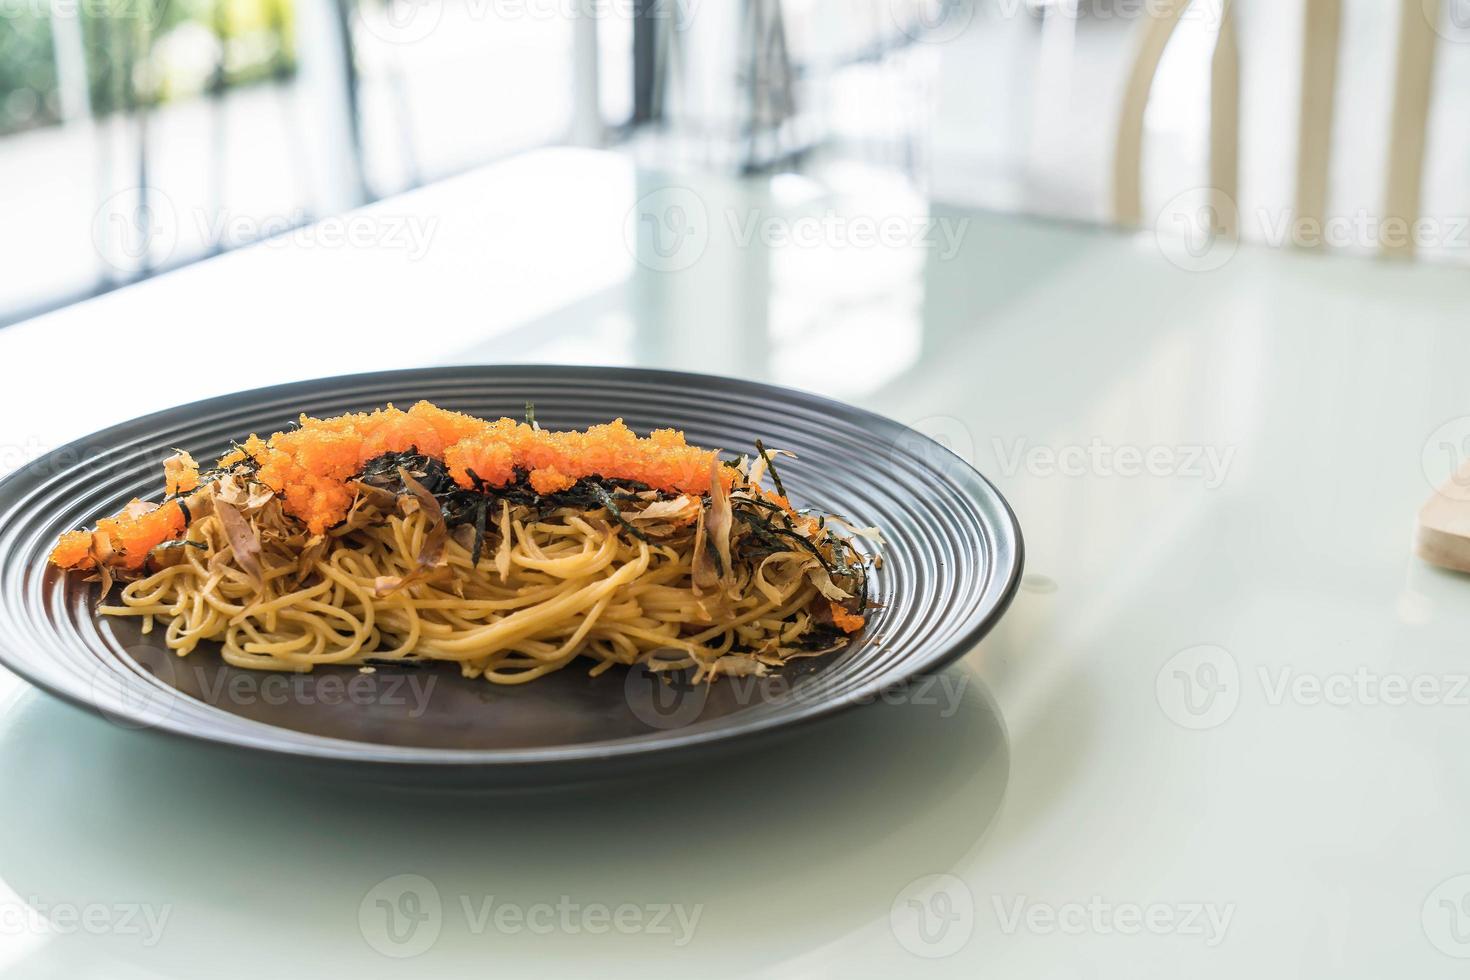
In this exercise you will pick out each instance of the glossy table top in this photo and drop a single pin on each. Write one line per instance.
(1217, 732)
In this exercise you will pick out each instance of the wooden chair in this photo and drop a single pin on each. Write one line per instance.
(1321, 36)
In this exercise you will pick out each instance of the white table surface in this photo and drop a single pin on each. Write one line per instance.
(1219, 734)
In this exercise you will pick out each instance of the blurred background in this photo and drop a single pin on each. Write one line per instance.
(228, 121)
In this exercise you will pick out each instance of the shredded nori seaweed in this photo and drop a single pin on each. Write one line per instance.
(770, 466)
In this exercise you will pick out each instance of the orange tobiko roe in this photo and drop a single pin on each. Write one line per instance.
(550, 480)
(311, 465)
(130, 538)
(74, 550)
(134, 537)
(846, 621)
(180, 473)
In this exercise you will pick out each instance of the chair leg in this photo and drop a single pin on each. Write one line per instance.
(1410, 123)
(1321, 33)
(1158, 27)
(1225, 121)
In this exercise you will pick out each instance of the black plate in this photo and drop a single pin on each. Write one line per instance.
(950, 567)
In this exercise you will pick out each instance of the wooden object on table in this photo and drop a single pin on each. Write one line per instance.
(1442, 535)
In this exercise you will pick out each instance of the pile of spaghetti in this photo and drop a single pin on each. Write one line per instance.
(403, 537)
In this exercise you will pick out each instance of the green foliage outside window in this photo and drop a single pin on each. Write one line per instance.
(138, 53)
(28, 95)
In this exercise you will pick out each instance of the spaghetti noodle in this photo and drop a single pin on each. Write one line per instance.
(403, 537)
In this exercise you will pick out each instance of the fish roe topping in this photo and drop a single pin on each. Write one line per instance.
(74, 550)
(848, 622)
(181, 474)
(311, 466)
(123, 541)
